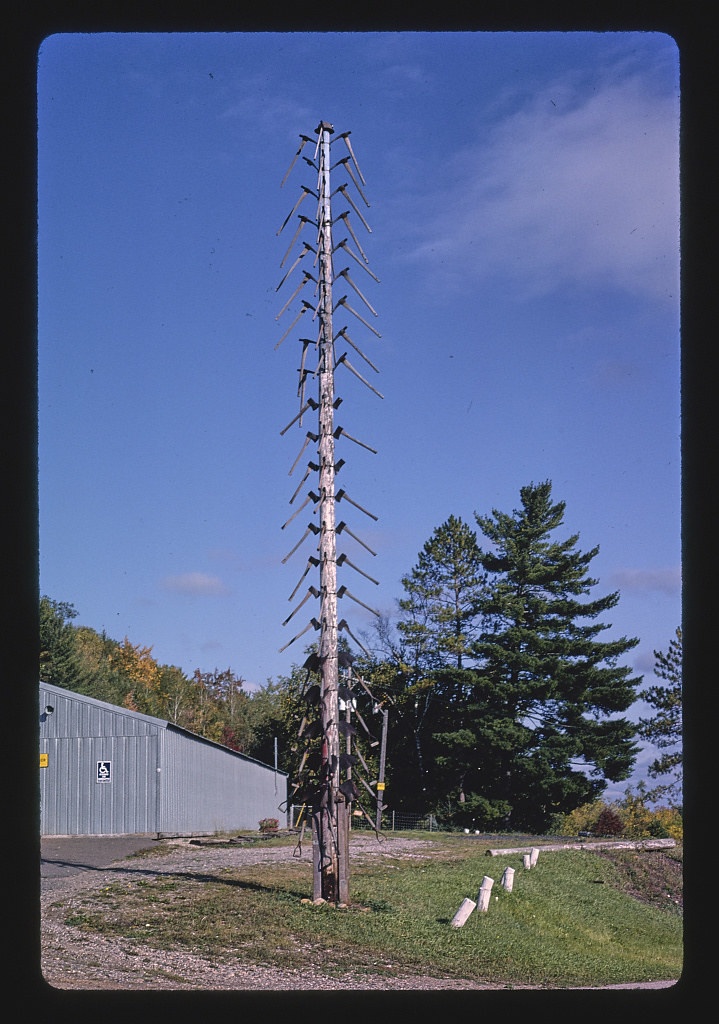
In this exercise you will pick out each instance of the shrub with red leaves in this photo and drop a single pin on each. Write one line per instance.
(608, 824)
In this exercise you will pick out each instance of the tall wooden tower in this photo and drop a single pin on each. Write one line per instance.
(331, 793)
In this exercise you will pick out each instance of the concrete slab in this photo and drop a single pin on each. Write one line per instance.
(68, 855)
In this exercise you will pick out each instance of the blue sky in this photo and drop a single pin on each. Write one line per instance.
(524, 207)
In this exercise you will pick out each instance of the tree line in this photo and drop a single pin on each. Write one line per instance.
(506, 706)
(212, 704)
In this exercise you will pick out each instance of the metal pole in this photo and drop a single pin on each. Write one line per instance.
(380, 781)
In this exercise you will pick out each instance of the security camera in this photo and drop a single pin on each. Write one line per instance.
(49, 709)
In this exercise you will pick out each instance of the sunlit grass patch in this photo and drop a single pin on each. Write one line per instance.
(567, 921)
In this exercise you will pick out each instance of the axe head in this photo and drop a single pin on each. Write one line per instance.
(313, 663)
(312, 730)
(348, 790)
(313, 695)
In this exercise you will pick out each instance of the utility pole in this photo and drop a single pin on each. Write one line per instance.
(380, 779)
(330, 797)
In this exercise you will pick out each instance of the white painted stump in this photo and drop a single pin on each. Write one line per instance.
(485, 890)
(463, 913)
(508, 879)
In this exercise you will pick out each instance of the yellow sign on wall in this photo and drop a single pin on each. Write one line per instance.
(44, 760)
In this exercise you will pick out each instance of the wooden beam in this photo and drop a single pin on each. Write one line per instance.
(638, 844)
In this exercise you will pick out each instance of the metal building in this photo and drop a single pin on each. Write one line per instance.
(105, 770)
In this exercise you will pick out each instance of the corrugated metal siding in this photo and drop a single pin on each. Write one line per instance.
(73, 802)
(76, 736)
(76, 715)
(208, 788)
(162, 778)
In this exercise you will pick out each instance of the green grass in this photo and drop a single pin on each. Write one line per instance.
(569, 921)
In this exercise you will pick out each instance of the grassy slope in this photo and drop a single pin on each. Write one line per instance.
(577, 918)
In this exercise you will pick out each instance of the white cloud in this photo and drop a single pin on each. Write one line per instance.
(665, 581)
(569, 189)
(255, 106)
(197, 584)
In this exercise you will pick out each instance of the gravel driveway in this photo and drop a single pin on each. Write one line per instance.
(71, 959)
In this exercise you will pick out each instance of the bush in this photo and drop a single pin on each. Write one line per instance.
(581, 819)
(269, 825)
(669, 819)
(630, 819)
(640, 821)
(608, 823)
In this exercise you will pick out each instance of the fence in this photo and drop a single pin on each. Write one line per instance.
(392, 821)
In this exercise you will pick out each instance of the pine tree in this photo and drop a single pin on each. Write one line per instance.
(438, 625)
(60, 663)
(664, 730)
(549, 736)
(443, 594)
